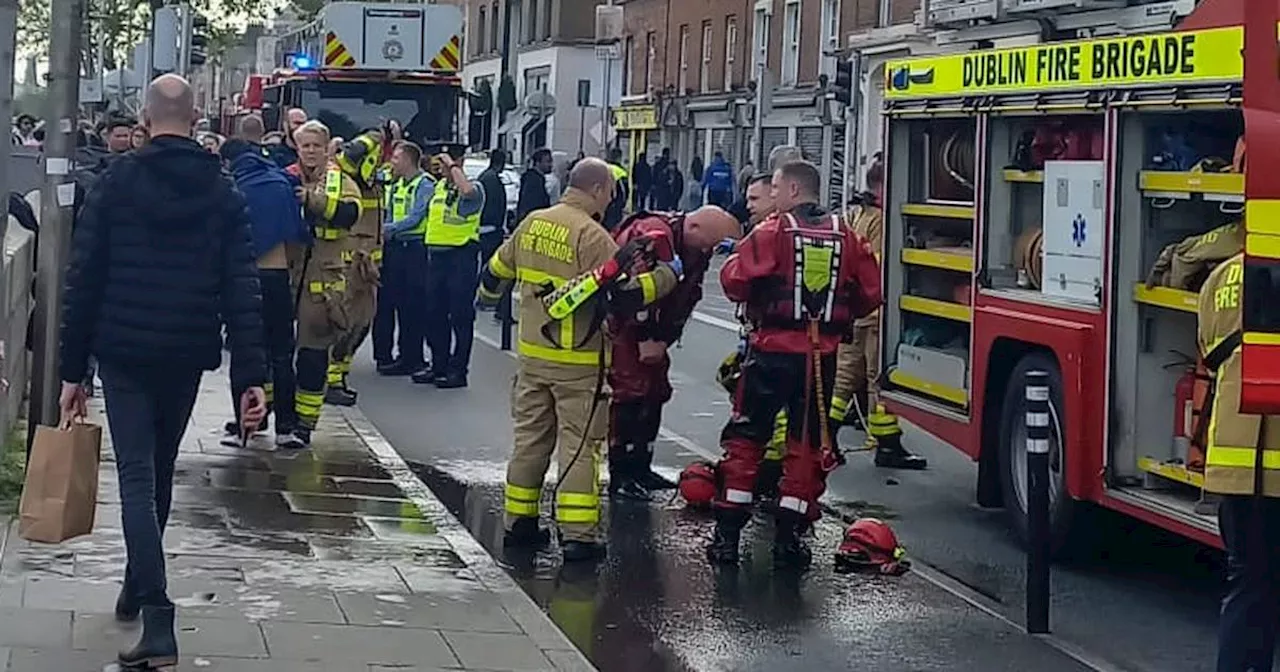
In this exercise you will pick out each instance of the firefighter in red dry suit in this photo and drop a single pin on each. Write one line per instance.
(638, 375)
(804, 277)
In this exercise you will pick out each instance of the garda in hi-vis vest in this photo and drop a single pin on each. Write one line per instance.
(445, 227)
(400, 199)
(1233, 436)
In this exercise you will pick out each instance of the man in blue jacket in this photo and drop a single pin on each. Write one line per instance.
(276, 220)
(718, 180)
(403, 297)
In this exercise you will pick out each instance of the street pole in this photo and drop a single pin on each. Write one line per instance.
(8, 60)
(57, 197)
(757, 125)
(1039, 543)
(185, 26)
(852, 127)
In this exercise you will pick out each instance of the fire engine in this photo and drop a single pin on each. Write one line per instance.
(1055, 207)
(361, 64)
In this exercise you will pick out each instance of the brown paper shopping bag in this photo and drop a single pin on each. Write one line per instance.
(60, 493)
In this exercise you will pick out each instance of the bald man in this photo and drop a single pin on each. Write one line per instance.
(555, 403)
(161, 264)
(638, 377)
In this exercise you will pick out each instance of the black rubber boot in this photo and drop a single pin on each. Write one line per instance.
(622, 482)
(582, 551)
(526, 533)
(127, 606)
(768, 480)
(339, 396)
(891, 455)
(643, 472)
(790, 551)
(158, 645)
(724, 541)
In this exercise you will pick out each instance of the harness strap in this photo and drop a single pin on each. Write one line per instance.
(1213, 360)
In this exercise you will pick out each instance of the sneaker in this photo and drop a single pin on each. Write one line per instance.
(623, 488)
(290, 441)
(424, 376)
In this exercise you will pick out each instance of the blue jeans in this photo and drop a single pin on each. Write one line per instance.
(1250, 617)
(147, 409)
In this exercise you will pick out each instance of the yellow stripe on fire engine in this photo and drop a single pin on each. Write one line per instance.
(1163, 59)
(336, 54)
(450, 57)
(1262, 245)
(1262, 215)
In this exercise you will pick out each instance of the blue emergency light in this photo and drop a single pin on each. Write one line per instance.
(300, 62)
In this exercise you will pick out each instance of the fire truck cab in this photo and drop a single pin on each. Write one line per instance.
(1056, 207)
(359, 65)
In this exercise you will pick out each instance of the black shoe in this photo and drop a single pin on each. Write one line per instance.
(452, 381)
(397, 368)
(127, 607)
(625, 488)
(339, 396)
(891, 455)
(724, 545)
(158, 646)
(790, 551)
(424, 376)
(582, 551)
(232, 428)
(303, 435)
(526, 533)
(652, 480)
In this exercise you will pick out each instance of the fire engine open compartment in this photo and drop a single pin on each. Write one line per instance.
(928, 257)
(1177, 183)
(1025, 153)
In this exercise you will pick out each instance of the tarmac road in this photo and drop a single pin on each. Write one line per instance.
(655, 605)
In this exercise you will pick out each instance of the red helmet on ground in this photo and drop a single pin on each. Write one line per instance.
(698, 484)
(870, 545)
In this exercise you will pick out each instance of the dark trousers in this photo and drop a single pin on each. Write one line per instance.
(147, 409)
(1250, 617)
(451, 282)
(278, 324)
(402, 303)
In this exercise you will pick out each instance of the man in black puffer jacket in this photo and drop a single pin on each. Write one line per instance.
(161, 261)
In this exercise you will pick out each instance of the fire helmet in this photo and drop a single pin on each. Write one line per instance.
(698, 484)
(870, 545)
(730, 371)
(359, 158)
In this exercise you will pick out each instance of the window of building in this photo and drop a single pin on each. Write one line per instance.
(495, 39)
(482, 33)
(730, 49)
(830, 37)
(531, 34)
(650, 54)
(628, 45)
(791, 44)
(761, 50)
(704, 77)
(546, 19)
(536, 79)
(683, 78)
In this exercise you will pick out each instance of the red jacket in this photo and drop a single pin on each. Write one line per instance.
(663, 320)
(761, 273)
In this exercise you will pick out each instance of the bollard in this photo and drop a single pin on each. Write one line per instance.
(505, 317)
(1038, 537)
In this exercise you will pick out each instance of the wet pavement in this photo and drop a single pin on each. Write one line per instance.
(654, 604)
(334, 559)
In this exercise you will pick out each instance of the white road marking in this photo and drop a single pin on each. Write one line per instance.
(714, 321)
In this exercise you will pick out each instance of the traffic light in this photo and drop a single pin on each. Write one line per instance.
(844, 83)
(199, 52)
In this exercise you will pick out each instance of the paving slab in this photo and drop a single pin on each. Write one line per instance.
(332, 559)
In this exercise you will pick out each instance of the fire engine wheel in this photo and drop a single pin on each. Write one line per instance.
(1013, 451)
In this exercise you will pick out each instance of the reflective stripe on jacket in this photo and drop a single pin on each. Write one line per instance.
(445, 227)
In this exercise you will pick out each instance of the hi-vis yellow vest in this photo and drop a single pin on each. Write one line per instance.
(445, 227)
(401, 197)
